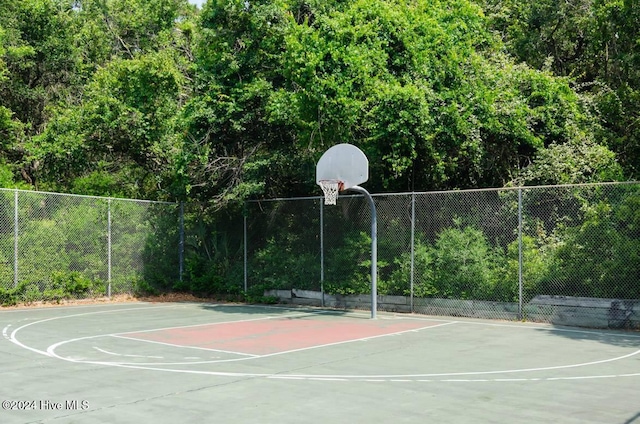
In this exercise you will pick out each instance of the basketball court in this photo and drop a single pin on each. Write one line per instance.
(193, 362)
(223, 363)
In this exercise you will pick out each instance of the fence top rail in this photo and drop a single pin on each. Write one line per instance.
(319, 198)
(50, 193)
(410, 193)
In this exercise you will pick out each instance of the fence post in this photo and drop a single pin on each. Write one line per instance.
(245, 213)
(15, 238)
(520, 314)
(181, 244)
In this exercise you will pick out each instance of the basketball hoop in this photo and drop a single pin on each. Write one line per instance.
(331, 188)
(342, 167)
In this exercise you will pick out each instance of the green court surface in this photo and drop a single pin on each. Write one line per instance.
(196, 362)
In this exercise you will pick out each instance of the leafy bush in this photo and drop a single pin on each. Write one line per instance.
(284, 264)
(206, 277)
(31, 293)
(599, 257)
(348, 267)
(9, 296)
(465, 265)
(72, 283)
(461, 264)
(60, 285)
(143, 288)
(255, 294)
(66, 285)
(539, 256)
(399, 283)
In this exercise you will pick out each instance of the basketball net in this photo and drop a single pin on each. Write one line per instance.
(330, 189)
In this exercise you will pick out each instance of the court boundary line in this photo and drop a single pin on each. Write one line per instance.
(359, 378)
(14, 340)
(58, 308)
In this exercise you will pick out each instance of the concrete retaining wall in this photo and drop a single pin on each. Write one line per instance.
(559, 310)
(584, 311)
(314, 298)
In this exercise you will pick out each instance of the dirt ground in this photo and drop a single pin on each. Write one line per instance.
(122, 298)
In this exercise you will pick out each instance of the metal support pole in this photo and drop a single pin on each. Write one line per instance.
(109, 249)
(16, 232)
(181, 244)
(322, 251)
(374, 249)
(413, 238)
(520, 314)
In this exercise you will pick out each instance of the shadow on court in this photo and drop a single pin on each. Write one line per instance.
(621, 338)
(261, 309)
(634, 419)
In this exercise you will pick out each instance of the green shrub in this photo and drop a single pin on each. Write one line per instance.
(143, 288)
(423, 269)
(465, 265)
(207, 277)
(539, 259)
(461, 264)
(348, 267)
(31, 293)
(598, 258)
(284, 264)
(71, 283)
(255, 294)
(9, 296)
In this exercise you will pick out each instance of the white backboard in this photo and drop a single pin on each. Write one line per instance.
(343, 162)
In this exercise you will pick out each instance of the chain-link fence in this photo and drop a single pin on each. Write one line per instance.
(56, 246)
(514, 253)
(518, 253)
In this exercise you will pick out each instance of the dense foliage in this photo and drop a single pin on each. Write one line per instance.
(158, 99)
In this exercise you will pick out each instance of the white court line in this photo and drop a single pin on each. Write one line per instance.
(51, 352)
(511, 371)
(385, 377)
(363, 339)
(183, 346)
(58, 308)
(5, 331)
(531, 326)
(270, 317)
(12, 337)
(120, 354)
(354, 378)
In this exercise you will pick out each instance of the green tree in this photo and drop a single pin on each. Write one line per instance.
(594, 42)
(38, 62)
(40, 58)
(578, 161)
(65, 60)
(424, 89)
(121, 138)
